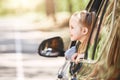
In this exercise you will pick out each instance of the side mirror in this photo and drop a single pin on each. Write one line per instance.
(52, 47)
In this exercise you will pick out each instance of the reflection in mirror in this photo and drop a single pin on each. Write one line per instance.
(52, 47)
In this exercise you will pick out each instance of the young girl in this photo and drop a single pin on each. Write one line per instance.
(80, 26)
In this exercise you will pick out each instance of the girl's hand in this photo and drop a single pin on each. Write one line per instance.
(79, 56)
(74, 56)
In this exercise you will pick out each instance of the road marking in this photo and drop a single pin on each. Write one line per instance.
(19, 62)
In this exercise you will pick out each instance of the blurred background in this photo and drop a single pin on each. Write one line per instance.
(24, 24)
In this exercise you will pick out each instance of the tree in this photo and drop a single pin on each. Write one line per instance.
(70, 6)
(50, 8)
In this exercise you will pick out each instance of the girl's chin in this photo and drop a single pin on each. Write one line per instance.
(73, 39)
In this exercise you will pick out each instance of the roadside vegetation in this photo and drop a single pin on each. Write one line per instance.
(53, 12)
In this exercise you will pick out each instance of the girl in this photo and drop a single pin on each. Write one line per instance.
(80, 26)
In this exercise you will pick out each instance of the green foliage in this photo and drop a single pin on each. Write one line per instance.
(60, 5)
(78, 5)
(40, 8)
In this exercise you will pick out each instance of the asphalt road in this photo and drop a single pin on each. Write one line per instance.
(28, 40)
(29, 67)
(19, 59)
(19, 41)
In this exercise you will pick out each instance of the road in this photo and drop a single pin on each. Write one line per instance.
(19, 59)
(28, 40)
(29, 67)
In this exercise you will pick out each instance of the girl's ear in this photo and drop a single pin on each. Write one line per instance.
(84, 30)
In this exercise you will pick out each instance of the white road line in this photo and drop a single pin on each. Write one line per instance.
(19, 62)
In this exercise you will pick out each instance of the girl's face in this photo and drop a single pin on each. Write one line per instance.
(75, 28)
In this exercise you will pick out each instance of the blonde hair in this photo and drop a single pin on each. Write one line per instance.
(86, 19)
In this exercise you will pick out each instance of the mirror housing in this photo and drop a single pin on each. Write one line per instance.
(51, 47)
